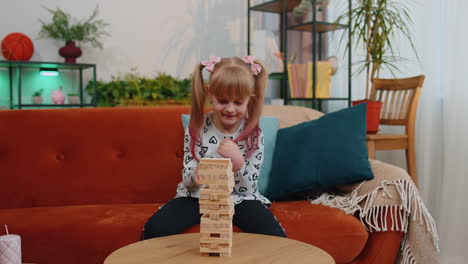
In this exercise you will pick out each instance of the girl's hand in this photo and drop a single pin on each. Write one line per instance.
(229, 149)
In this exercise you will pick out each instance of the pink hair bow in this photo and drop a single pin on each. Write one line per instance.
(209, 64)
(256, 68)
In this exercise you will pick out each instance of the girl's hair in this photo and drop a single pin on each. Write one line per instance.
(231, 78)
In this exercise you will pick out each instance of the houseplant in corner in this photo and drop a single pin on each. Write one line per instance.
(374, 24)
(64, 28)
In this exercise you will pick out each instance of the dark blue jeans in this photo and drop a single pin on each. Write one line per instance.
(183, 212)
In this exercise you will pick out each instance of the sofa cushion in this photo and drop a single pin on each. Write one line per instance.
(320, 154)
(90, 155)
(89, 233)
(341, 235)
(269, 126)
(76, 234)
(290, 115)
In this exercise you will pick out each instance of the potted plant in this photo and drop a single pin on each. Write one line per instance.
(301, 11)
(64, 28)
(132, 89)
(37, 96)
(73, 98)
(374, 23)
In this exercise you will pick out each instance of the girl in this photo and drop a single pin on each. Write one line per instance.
(236, 89)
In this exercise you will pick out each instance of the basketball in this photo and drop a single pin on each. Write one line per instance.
(18, 47)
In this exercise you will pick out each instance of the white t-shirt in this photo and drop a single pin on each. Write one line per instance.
(246, 187)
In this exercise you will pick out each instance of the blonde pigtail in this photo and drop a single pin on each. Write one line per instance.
(198, 104)
(252, 130)
(260, 88)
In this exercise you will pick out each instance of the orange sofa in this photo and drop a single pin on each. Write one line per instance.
(77, 184)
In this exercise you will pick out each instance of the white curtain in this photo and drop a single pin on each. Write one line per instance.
(441, 39)
(453, 210)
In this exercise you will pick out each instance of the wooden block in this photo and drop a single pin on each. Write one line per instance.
(226, 201)
(215, 178)
(211, 194)
(215, 171)
(205, 248)
(208, 225)
(221, 207)
(214, 216)
(205, 209)
(215, 228)
(218, 216)
(217, 162)
(209, 206)
(214, 196)
(224, 188)
(216, 240)
(225, 207)
(216, 235)
(215, 165)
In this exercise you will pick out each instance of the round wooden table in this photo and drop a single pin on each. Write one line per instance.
(246, 248)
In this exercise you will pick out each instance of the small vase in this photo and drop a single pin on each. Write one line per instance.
(37, 99)
(70, 52)
(73, 99)
(58, 97)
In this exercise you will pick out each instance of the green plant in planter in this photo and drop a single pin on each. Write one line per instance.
(64, 28)
(301, 10)
(38, 92)
(305, 6)
(374, 24)
(37, 96)
(133, 89)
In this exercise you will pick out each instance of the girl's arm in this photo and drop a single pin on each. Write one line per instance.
(190, 163)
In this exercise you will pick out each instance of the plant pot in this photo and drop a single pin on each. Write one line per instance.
(37, 100)
(73, 99)
(300, 18)
(372, 115)
(70, 52)
(146, 102)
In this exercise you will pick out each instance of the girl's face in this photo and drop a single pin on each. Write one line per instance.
(228, 113)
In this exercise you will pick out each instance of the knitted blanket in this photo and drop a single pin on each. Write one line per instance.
(391, 192)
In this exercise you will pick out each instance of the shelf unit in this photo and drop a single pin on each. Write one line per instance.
(16, 70)
(282, 8)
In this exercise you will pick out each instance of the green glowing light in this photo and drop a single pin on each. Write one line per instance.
(48, 72)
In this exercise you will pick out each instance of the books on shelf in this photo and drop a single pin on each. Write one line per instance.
(301, 81)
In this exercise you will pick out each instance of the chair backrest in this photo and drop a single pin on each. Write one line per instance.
(399, 99)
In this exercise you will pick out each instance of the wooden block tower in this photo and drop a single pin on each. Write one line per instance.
(216, 206)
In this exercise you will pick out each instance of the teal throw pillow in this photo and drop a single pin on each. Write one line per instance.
(320, 154)
(269, 126)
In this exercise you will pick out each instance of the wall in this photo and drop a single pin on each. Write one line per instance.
(149, 35)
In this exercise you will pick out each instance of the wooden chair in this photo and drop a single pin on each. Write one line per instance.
(399, 99)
